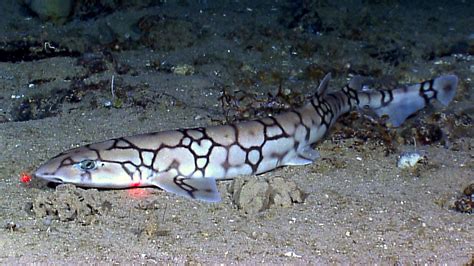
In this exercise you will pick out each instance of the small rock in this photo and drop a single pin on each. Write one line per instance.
(12, 226)
(291, 254)
(67, 203)
(285, 192)
(184, 70)
(256, 194)
(409, 159)
(153, 229)
(3, 119)
(252, 196)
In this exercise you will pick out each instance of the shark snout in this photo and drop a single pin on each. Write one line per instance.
(44, 173)
(48, 177)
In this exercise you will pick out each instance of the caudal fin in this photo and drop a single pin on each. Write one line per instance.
(400, 103)
(445, 88)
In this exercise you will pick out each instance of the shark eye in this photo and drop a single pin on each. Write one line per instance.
(87, 164)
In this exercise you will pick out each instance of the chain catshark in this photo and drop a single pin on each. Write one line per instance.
(188, 162)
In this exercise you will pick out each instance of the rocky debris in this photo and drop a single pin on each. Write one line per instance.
(255, 194)
(54, 10)
(68, 203)
(465, 203)
(166, 33)
(302, 14)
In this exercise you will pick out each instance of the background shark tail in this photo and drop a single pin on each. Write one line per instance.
(400, 103)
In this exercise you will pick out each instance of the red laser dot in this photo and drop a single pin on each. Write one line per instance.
(136, 184)
(25, 178)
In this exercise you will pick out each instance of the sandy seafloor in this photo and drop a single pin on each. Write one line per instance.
(360, 208)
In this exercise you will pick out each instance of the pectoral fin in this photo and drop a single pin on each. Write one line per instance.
(195, 188)
(305, 156)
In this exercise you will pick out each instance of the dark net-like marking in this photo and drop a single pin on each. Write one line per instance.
(196, 146)
(322, 110)
(259, 148)
(180, 182)
(282, 135)
(424, 92)
(351, 95)
(327, 115)
(385, 101)
(337, 102)
(175, 164)
(86, 176)
(68, 161)
(199, 141)
(307, 129)
(131, 146)
(226, 164)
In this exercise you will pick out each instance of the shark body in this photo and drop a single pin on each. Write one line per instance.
(188, 162)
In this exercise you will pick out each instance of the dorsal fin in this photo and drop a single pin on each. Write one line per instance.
(358, 82)
(322, 88)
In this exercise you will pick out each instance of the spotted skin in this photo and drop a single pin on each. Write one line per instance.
(188, 161)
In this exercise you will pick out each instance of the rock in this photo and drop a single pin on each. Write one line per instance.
(67, 203)
(251, 195)
(183, 70)
(53, 10)
(285, 192)
(256, 194)
(167, 34)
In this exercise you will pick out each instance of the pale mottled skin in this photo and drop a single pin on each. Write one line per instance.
(188, 161)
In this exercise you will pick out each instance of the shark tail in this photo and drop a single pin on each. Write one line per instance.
(398, 104)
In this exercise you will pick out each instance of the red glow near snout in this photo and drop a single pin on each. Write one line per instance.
(25, 178)
(136, 192)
